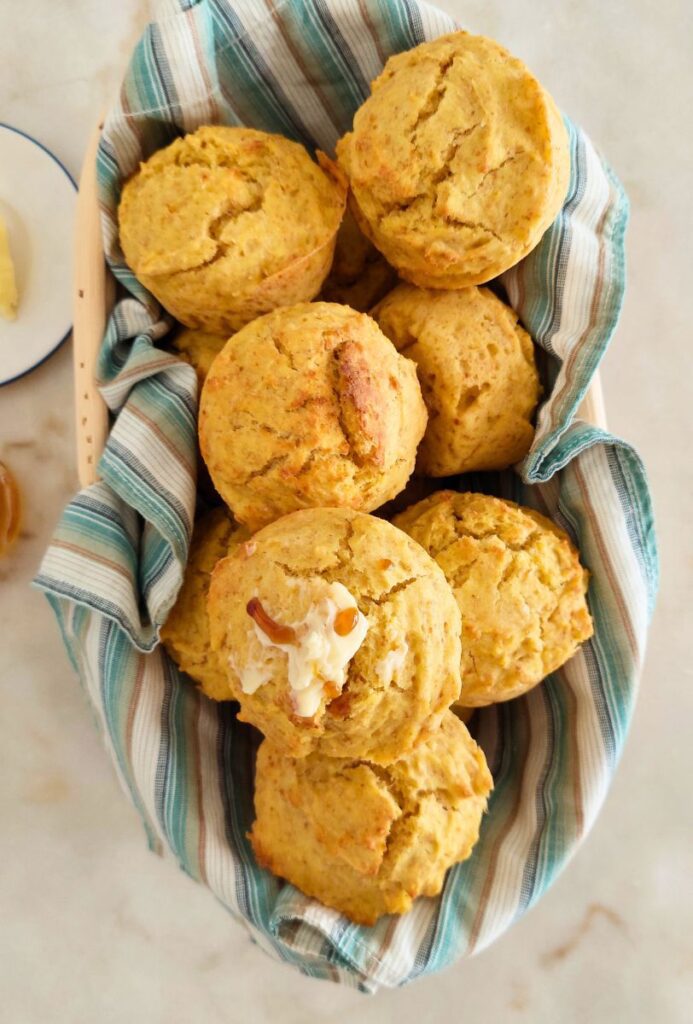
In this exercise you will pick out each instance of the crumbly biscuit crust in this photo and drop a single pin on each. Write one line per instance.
(308, 406)
(519, 585)
(457, 163)
(368, 840)
(477, 374)
(228, 223)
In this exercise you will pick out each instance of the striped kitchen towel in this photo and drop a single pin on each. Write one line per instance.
(114, 566)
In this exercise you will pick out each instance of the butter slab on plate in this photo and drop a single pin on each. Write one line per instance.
(8, 281)
(37, 206)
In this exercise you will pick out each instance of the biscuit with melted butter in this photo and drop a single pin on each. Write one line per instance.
(274, 610)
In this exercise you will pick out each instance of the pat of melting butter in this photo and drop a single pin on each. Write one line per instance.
(8, 283)
(318, 658)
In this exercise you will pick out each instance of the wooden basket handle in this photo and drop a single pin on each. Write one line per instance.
(94, 291)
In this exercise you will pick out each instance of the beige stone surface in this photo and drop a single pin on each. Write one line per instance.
(95, 927)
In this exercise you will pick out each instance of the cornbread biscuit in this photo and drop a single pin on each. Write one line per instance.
(359, 276)
(228, 223)
(477, 374)
(340, 635)
(457, 163)
(368, 840)
(308, 406)
(199, 349)
(185, 634)
(519, 586)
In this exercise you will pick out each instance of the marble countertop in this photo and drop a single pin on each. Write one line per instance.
(95, 928)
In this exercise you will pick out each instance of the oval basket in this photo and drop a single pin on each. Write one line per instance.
(115, 564)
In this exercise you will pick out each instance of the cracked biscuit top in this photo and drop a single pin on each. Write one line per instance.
(477, 374)
(518, 583)
(338, 633)
(457, 163)
(228, 223)
(364, 839)
(310, 405)
(185, 634)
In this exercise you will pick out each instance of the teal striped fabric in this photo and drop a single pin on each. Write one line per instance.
(113, 569)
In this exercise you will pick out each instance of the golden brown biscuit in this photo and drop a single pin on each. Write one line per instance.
(519, 586)
(185, 634)
(477, 374)
(340, 635)
(359, 276)
(199, 349)
(309, 406)
(228, 223)
(457, 163)
(368, 840)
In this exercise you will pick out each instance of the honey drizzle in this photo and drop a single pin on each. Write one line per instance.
(277, 633)
(345, 621)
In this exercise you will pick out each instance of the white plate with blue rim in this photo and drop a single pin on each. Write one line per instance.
(37, 203)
